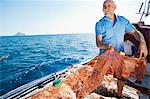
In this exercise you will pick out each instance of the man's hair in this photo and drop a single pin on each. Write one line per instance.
(109, 1)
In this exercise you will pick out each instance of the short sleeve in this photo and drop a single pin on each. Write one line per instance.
(99, 29)
(128, 26)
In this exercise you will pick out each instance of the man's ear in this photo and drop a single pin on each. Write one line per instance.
(115, 7)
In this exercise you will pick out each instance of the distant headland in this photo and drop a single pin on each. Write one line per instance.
(20, 34)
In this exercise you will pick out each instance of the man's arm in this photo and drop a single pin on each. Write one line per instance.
(142, 46)
(100, 44)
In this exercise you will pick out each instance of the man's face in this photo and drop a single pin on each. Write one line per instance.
(109, 8)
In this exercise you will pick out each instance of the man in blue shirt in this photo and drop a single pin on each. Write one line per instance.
(110, 32)
(111, 28)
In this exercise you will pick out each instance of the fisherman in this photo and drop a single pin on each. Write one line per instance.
(110, 31)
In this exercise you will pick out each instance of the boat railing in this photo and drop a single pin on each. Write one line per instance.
(31, 86)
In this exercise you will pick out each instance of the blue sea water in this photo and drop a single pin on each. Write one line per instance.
(26, 58)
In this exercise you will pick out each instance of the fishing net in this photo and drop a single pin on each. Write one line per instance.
(90, 76)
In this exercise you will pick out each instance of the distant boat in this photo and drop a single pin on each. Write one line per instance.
(20, 34)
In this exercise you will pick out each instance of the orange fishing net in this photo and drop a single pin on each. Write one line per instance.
(123, 66)
(89, 77)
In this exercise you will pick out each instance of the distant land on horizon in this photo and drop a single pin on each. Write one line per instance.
(24, 34)
(20, 34)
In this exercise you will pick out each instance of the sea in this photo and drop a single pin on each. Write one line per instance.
(26, 58)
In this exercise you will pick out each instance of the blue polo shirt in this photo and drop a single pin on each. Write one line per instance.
(113, 31)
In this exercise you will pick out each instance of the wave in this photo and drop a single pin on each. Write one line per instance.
(59, 64)
(25, 73)
(4, 57)
(37, 51)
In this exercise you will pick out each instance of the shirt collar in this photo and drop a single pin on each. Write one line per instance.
(113, 22)
(116, 18)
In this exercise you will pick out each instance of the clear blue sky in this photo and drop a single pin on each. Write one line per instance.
(58, 16)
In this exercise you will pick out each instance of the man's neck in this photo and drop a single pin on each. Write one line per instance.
(112, 17)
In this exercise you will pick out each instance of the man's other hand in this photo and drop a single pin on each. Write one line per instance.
(142, 50)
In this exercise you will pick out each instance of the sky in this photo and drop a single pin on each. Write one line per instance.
(36, 17)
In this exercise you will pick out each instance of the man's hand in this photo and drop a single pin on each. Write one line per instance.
(142, 49)
(100, 44)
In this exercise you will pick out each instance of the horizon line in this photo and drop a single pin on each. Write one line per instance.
(48, 34)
